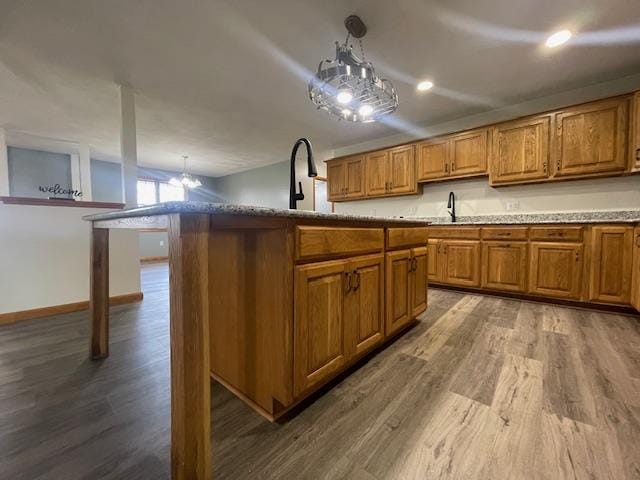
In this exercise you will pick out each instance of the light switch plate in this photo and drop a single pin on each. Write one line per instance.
(513, 206)
(162, 243)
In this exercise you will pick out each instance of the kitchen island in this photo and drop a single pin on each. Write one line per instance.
(271, 303)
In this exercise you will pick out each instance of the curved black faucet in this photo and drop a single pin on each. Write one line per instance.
(452, 205)
(293, 195)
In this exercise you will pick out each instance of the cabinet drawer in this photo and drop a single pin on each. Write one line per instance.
(404, 237)
(326, 241)
(557, 234)
(505, 233)
(472, 233)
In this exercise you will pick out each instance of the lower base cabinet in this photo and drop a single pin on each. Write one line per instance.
(338, 315)
(611, 264)
(635, 294)
(461, 262)
(555, 270)
(406, 287)
(504, 266)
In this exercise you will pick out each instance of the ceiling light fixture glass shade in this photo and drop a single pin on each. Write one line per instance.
(185, 180)
(349, 80)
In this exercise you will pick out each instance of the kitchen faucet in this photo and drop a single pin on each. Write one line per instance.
(293, 195)
(452, 205)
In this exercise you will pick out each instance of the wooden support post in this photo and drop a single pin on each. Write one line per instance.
(99, 300)
(190, 371)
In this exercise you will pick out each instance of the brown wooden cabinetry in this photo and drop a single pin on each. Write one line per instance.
(433, 159)
(418, 281)
(433, 261)
(406, 279)
(345, 178)
(504, 265)
(520, 151)
(634, 130)
(611, 264)
(461, 262)
(591, 138)
(635, 293)
(391, 172)
(555, 269)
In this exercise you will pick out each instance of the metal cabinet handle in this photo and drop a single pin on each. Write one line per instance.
(558, 165)
(638, 241)
(544, 167)
(637, 153)
(453, 166)
(577, 256)
(504, 234)
(356, 275)
(446, 168)
(347, 282)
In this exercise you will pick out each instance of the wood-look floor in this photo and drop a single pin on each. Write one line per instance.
(482, 388)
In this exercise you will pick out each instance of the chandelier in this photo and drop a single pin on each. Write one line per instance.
(185, 180)
(348, 86)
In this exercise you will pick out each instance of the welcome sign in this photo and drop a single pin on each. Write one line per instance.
(57, 190)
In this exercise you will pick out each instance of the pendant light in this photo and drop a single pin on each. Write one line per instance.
(185, 180)
(348, 86)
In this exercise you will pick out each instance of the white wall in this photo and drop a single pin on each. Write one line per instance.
(44, 257)
(475, 197)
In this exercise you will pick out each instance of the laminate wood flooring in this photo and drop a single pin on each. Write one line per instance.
(481, 388)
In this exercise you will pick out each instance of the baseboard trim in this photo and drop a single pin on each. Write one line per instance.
(153, 259)
(13, 317)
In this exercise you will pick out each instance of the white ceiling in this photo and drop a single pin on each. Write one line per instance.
(225, 81)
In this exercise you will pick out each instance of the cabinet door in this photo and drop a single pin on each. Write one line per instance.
(504, 266)
(469, 153)
(591, 138)
(520, 151)
(635, 133)
(319, 329)
(354, 174)
(611, 257)
(398, 297)
(377, 182)
(365, 303)
(635, 297)
(433, 159)
(418, 281)
(461, 262)
(555, 269)
(336, 180)
(402, 170)
(433, 260)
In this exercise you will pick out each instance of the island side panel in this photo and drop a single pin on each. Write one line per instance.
(190, 356)
(251, 305)
(99, 293)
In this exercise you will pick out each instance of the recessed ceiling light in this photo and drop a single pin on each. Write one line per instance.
(344, 96)
(425, 85)
(558, 38)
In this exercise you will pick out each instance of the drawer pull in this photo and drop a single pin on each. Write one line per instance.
(556, 234)
(504, 234)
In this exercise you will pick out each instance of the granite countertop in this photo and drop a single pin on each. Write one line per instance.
(230, 209)
(622, 216)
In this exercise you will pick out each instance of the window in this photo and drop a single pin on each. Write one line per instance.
(153, 191)
(171, 193)
(147, 192)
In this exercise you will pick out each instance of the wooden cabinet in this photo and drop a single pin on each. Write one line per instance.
(635, 293)
(391, 172)
(461, 155)
(319, 331)
(634, 134)
(504, 265)
(611, 264)
(591, 138)
(555, 269)
(365, 304)
(469, 153)
(433, 260)
(406, 284)
(433, 159)
(461, 262)
(520, 151)
(346, 178)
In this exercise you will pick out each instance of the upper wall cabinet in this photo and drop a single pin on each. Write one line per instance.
(520, 151)
(454, 156)
(346, 178)
(391, 172)
(591, 138)
(634, 136)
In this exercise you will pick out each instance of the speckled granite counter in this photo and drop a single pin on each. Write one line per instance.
(623, 216)
(240, 210)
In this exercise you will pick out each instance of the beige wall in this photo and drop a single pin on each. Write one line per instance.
(44, 257)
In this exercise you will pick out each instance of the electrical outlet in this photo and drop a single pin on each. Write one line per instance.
(513, 206)
(162, 243)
